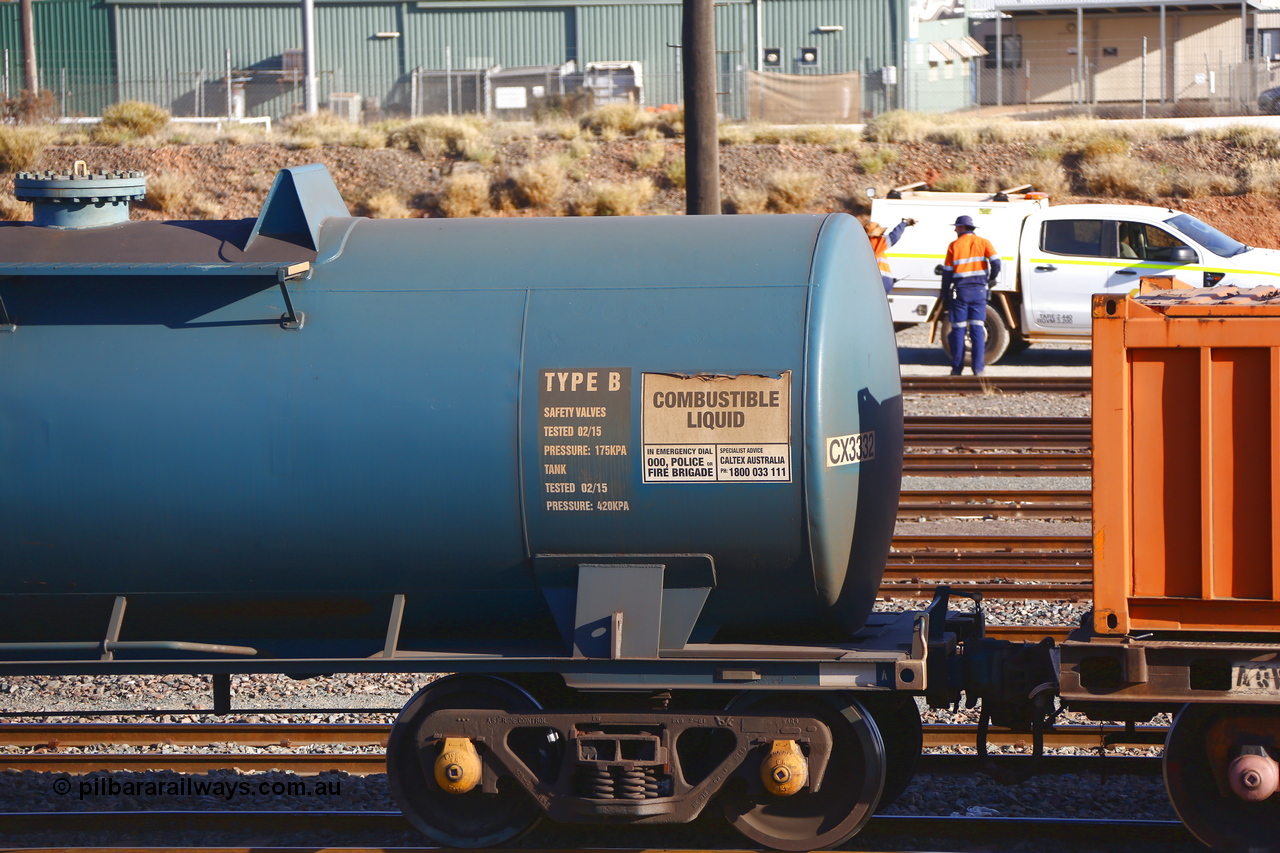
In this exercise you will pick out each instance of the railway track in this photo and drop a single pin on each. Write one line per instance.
(42, 738)
(1075, 434)
(991, 559)
(1079, 385)
(1011, 447)
(1060, 504)
(261, 826)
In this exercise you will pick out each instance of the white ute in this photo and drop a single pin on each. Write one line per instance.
(1055, 258)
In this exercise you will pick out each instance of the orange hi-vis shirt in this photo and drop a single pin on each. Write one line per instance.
(969, 259)
(880, 245)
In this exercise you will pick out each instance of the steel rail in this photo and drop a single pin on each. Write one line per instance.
(998, 464)
(994, 545)
(1078, 385)
(1073, 434)
(87, 735)
(1063, 504)
(263, 824)
(915, 590)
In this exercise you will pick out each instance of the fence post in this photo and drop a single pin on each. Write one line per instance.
(999, 62)
(1144, 76)
(228, 84)
(448, 77)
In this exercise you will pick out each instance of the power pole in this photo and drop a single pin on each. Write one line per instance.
(27, 23)
(702, 142)
(309, 99)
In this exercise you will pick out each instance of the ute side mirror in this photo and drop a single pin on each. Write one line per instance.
(1182, 255)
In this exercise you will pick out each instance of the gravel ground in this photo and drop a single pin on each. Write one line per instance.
(1081, 795)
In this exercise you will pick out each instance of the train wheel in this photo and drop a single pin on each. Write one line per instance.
(850, 788)
(897, 718)
(471, 819)
(1201, 753)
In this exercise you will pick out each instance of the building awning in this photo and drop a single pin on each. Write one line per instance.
(940, 51)
(968, 47)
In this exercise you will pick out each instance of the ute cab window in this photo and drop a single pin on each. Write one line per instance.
(1143, 242)
(1078, 237)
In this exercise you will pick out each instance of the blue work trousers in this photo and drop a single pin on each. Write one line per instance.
(968, 314)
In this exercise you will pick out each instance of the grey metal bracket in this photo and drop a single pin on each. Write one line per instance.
(393, 627)
(6, 325)
(113, 627)
(292, 320)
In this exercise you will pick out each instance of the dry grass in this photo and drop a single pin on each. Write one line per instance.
(676, 173)
(203, 207)
(324, 129)
(12, 210)
(1044, 176)
(749, 200)
(466, 195)
(628, 198)
(21, 145)
(386, 205)
(580, 149)
(559, 128)
(615, 120)
(1201, 184)
(1119, 176)
(541, 183)
(898, 126)
(650, 157)
(875, 162)
(432, 136)
(169, 191)
(1262, 177)
(956, 182)
(792, 191)
(129, 120)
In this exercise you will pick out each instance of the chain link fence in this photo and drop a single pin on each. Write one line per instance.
(1122, 76)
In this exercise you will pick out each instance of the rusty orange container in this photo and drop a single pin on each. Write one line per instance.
(1186, 472)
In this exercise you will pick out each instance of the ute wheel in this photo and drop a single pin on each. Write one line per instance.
(850, 788)
(1201, 745)
(473, 819)
(998, 338)
(897, 718)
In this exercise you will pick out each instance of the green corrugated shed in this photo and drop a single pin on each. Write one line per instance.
(74, 52)
(176, 52)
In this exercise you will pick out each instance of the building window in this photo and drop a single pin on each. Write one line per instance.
(1264, 44)
(1012, 51)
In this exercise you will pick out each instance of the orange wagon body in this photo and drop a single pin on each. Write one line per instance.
(1186, 444)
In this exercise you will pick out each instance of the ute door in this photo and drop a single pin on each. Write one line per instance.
(1148, 249)
(1074, 259)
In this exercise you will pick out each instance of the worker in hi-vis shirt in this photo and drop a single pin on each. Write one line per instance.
(880, 243)
(970, 268)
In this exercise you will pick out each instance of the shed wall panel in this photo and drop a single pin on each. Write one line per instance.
(487, 37)
(72, 37)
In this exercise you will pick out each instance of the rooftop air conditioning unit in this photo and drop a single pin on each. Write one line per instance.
(347, 105)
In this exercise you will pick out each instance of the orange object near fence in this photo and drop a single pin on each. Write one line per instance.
(1186, 444)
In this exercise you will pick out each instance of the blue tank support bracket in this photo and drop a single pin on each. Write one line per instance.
(301, 271)
(658, 596)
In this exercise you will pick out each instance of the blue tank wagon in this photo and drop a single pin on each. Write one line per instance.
(598, 467)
